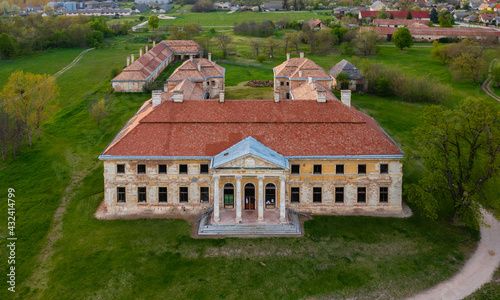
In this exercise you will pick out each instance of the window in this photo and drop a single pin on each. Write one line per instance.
(228, 195)
(204, 194)
(208, 83)
(339, 169)
(361, 195)
(287, 83)
(121, 195)
(288, 95)
(270, 195)
(295, 194)
(317, 169)
(281, 83)
(317, 194)
(213, 82)
(141, 194)
(339, 195)
(384, 169)
(361, 169)
(295, 169)
(203, 169)
(162, 195)
(162, 169)
(183, 194)
(141, 169)
(120, 169)
(183, 169)
(384, 195)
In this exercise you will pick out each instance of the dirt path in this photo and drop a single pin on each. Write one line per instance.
(487, 83)
(72, 63)
(477, 271)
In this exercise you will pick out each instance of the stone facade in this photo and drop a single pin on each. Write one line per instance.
(253, 171)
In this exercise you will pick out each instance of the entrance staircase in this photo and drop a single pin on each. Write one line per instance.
(291, 228)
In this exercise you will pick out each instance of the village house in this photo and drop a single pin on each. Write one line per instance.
(294, 72)
(486, 18)
(316, 24)
(252, 160)
(204, 73)
(356, 81)
(397, 22)
(147, 67)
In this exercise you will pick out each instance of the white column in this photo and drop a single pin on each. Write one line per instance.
(261, 198)
(216, 198)
(238, 198)
(282, 198)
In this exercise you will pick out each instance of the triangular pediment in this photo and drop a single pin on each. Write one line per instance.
(249, 154)
(249, 161)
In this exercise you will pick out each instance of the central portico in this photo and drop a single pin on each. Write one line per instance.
(247, 177)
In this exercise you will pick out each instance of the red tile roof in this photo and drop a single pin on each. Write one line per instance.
(397, 14)
(292, 67)
(430, 31)
(144, 66)
(291, 128)
(189, 69)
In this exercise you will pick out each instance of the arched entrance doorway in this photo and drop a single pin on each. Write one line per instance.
(249, 196)
(228, 195)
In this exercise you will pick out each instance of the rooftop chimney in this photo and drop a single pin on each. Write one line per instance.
(210, 56)
(300, 73)
(140, 52)
(276, 97)
(301, 54)
(320, 94)
(132, 58)
(191, 58)
(128, 61)
(221, 96)
(287, 56)
(154, 44)
(178, 96)
(146, 51)
(310, 79)
(345, 97)
(199, 67)
(165, 87)
(157, 97)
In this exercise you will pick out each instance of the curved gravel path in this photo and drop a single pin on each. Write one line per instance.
(477, 271)
(486, 84)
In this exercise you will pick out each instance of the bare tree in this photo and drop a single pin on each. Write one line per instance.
(309, 35)
(271, 45)
(291, 38)
(255, 46)
(225, 43)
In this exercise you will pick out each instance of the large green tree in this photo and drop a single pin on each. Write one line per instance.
(153, 22)
(402, 38)
(460, 151)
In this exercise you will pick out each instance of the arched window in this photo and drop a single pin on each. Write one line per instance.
(228, 195)
(270, 195)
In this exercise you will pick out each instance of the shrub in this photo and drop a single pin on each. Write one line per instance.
(261, 58)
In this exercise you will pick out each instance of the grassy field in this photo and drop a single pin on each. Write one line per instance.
(225, 19)
(339, 256)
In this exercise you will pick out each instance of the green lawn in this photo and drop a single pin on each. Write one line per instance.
(225, 19)
(339, 257)
(489, 291)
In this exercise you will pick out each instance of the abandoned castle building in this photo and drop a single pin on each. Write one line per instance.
(184, 152)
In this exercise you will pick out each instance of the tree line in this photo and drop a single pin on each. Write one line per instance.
(26, 103)
(26, 36)
(466, 59)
